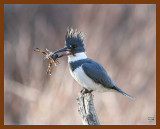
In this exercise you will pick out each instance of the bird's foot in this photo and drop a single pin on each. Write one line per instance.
(85, 91)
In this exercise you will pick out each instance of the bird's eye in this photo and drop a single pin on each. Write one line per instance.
(72, 46)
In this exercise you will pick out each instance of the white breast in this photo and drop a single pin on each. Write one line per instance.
(86, 82)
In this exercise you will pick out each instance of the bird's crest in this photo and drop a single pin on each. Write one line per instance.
(74, 36)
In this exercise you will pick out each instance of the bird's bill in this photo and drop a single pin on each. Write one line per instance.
(68, 51)
(63, 50)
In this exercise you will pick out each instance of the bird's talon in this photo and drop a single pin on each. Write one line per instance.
(85, 91)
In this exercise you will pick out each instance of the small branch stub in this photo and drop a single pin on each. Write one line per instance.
(86, 109)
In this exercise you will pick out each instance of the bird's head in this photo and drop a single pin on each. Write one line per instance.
(74, 42)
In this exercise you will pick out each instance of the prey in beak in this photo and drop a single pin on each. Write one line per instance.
(53, 57)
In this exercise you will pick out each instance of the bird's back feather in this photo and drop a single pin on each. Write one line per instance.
(98, 74)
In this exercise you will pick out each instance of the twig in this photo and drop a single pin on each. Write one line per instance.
(86, 109)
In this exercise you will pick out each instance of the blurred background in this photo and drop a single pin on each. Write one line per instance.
(120, 37)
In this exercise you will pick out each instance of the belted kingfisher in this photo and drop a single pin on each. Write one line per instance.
(87, 72)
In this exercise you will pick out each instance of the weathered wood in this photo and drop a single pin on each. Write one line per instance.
(86, 109)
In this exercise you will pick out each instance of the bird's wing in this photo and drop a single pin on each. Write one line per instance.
(97, 73)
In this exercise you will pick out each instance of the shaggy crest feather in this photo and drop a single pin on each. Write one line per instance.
(74, 36)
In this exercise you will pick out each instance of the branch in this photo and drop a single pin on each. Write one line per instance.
(86, 109)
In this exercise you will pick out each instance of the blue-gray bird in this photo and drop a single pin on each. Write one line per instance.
(87, 72)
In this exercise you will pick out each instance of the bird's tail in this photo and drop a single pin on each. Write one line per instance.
(124, 93)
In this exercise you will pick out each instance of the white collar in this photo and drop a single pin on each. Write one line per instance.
(77, 56)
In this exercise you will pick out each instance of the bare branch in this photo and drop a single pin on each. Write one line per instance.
(86, 109)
